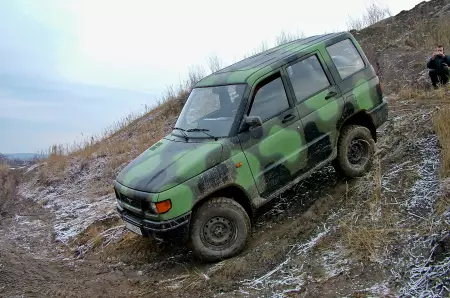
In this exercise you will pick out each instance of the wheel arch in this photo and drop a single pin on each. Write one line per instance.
(234, 192)
(361, 118)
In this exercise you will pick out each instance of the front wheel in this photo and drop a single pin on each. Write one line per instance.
(220, 229)
(356, 149)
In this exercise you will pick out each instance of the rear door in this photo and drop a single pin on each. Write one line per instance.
(273, 150)
(319, 103)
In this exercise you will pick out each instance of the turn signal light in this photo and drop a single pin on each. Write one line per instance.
(164, 206)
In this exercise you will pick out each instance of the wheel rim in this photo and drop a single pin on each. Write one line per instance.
(358, 152)
(219, 232)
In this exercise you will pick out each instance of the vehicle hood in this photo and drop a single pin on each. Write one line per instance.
(168, 163)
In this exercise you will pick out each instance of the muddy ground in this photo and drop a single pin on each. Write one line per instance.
(381, 235)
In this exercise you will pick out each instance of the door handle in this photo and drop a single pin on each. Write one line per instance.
(287, 118)
(331, 94)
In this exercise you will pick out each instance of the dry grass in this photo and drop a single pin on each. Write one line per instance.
(441, 95)
(368, 242)
(441, 122)
(442, 205)
(371, 226)
(3, 168)
(99, 235)
(8, 184)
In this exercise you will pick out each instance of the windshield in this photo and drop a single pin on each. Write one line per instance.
(210, 111)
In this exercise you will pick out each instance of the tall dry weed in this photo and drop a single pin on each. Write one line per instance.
(441, 122)
(8, 184)
(372, 224)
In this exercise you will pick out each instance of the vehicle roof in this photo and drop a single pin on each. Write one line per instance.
(250, 69)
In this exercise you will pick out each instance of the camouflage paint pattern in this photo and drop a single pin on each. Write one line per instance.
(271, 157)
(168, 163)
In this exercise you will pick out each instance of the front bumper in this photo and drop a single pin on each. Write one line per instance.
(379, 114)
(174, 229)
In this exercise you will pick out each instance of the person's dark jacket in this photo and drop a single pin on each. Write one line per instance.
(439, 62)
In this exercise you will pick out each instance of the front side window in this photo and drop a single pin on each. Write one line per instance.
(210, 109)
(346, 58)
(270, 100)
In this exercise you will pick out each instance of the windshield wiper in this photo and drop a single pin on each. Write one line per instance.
(182, 131)
(204, 130)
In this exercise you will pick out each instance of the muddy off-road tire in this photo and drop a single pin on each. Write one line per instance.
(220, 229)
(355, 151)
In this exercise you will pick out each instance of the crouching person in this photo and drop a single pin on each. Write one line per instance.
(439, 67)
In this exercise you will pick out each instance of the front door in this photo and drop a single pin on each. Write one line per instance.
(273, 150)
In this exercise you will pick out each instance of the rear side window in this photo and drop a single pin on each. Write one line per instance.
(346, 58)
(270, 100)
(307, 77)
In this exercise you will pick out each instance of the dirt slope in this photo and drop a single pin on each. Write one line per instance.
(384, 235)
(335, 238)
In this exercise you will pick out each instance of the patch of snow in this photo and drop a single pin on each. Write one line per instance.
(31, 168)
(334, 263)
(426, 279)
(73, 208)
(381, 289)
(427, 187)
(423, 278)
(287, 276)
(75, 216)
(27, 233)
(303, 248)
(394, 171)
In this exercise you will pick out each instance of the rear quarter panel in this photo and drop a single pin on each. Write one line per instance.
(361, 91)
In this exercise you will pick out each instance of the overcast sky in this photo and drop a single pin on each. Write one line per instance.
(73, 67)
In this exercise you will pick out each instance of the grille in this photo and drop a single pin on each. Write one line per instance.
(131, 201)
(135, 202)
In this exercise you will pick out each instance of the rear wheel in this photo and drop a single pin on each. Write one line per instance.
(220, 229)
(356, 149)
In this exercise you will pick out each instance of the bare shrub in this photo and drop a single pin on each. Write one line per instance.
(214, 63)
(284, 37)
(195, 74)
(374, 14)
(263, 46)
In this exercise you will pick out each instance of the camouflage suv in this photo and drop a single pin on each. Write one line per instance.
(247, 133)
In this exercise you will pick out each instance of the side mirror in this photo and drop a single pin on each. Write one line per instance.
(252, 121)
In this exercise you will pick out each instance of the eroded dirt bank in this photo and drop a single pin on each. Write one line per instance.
(382, 235)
